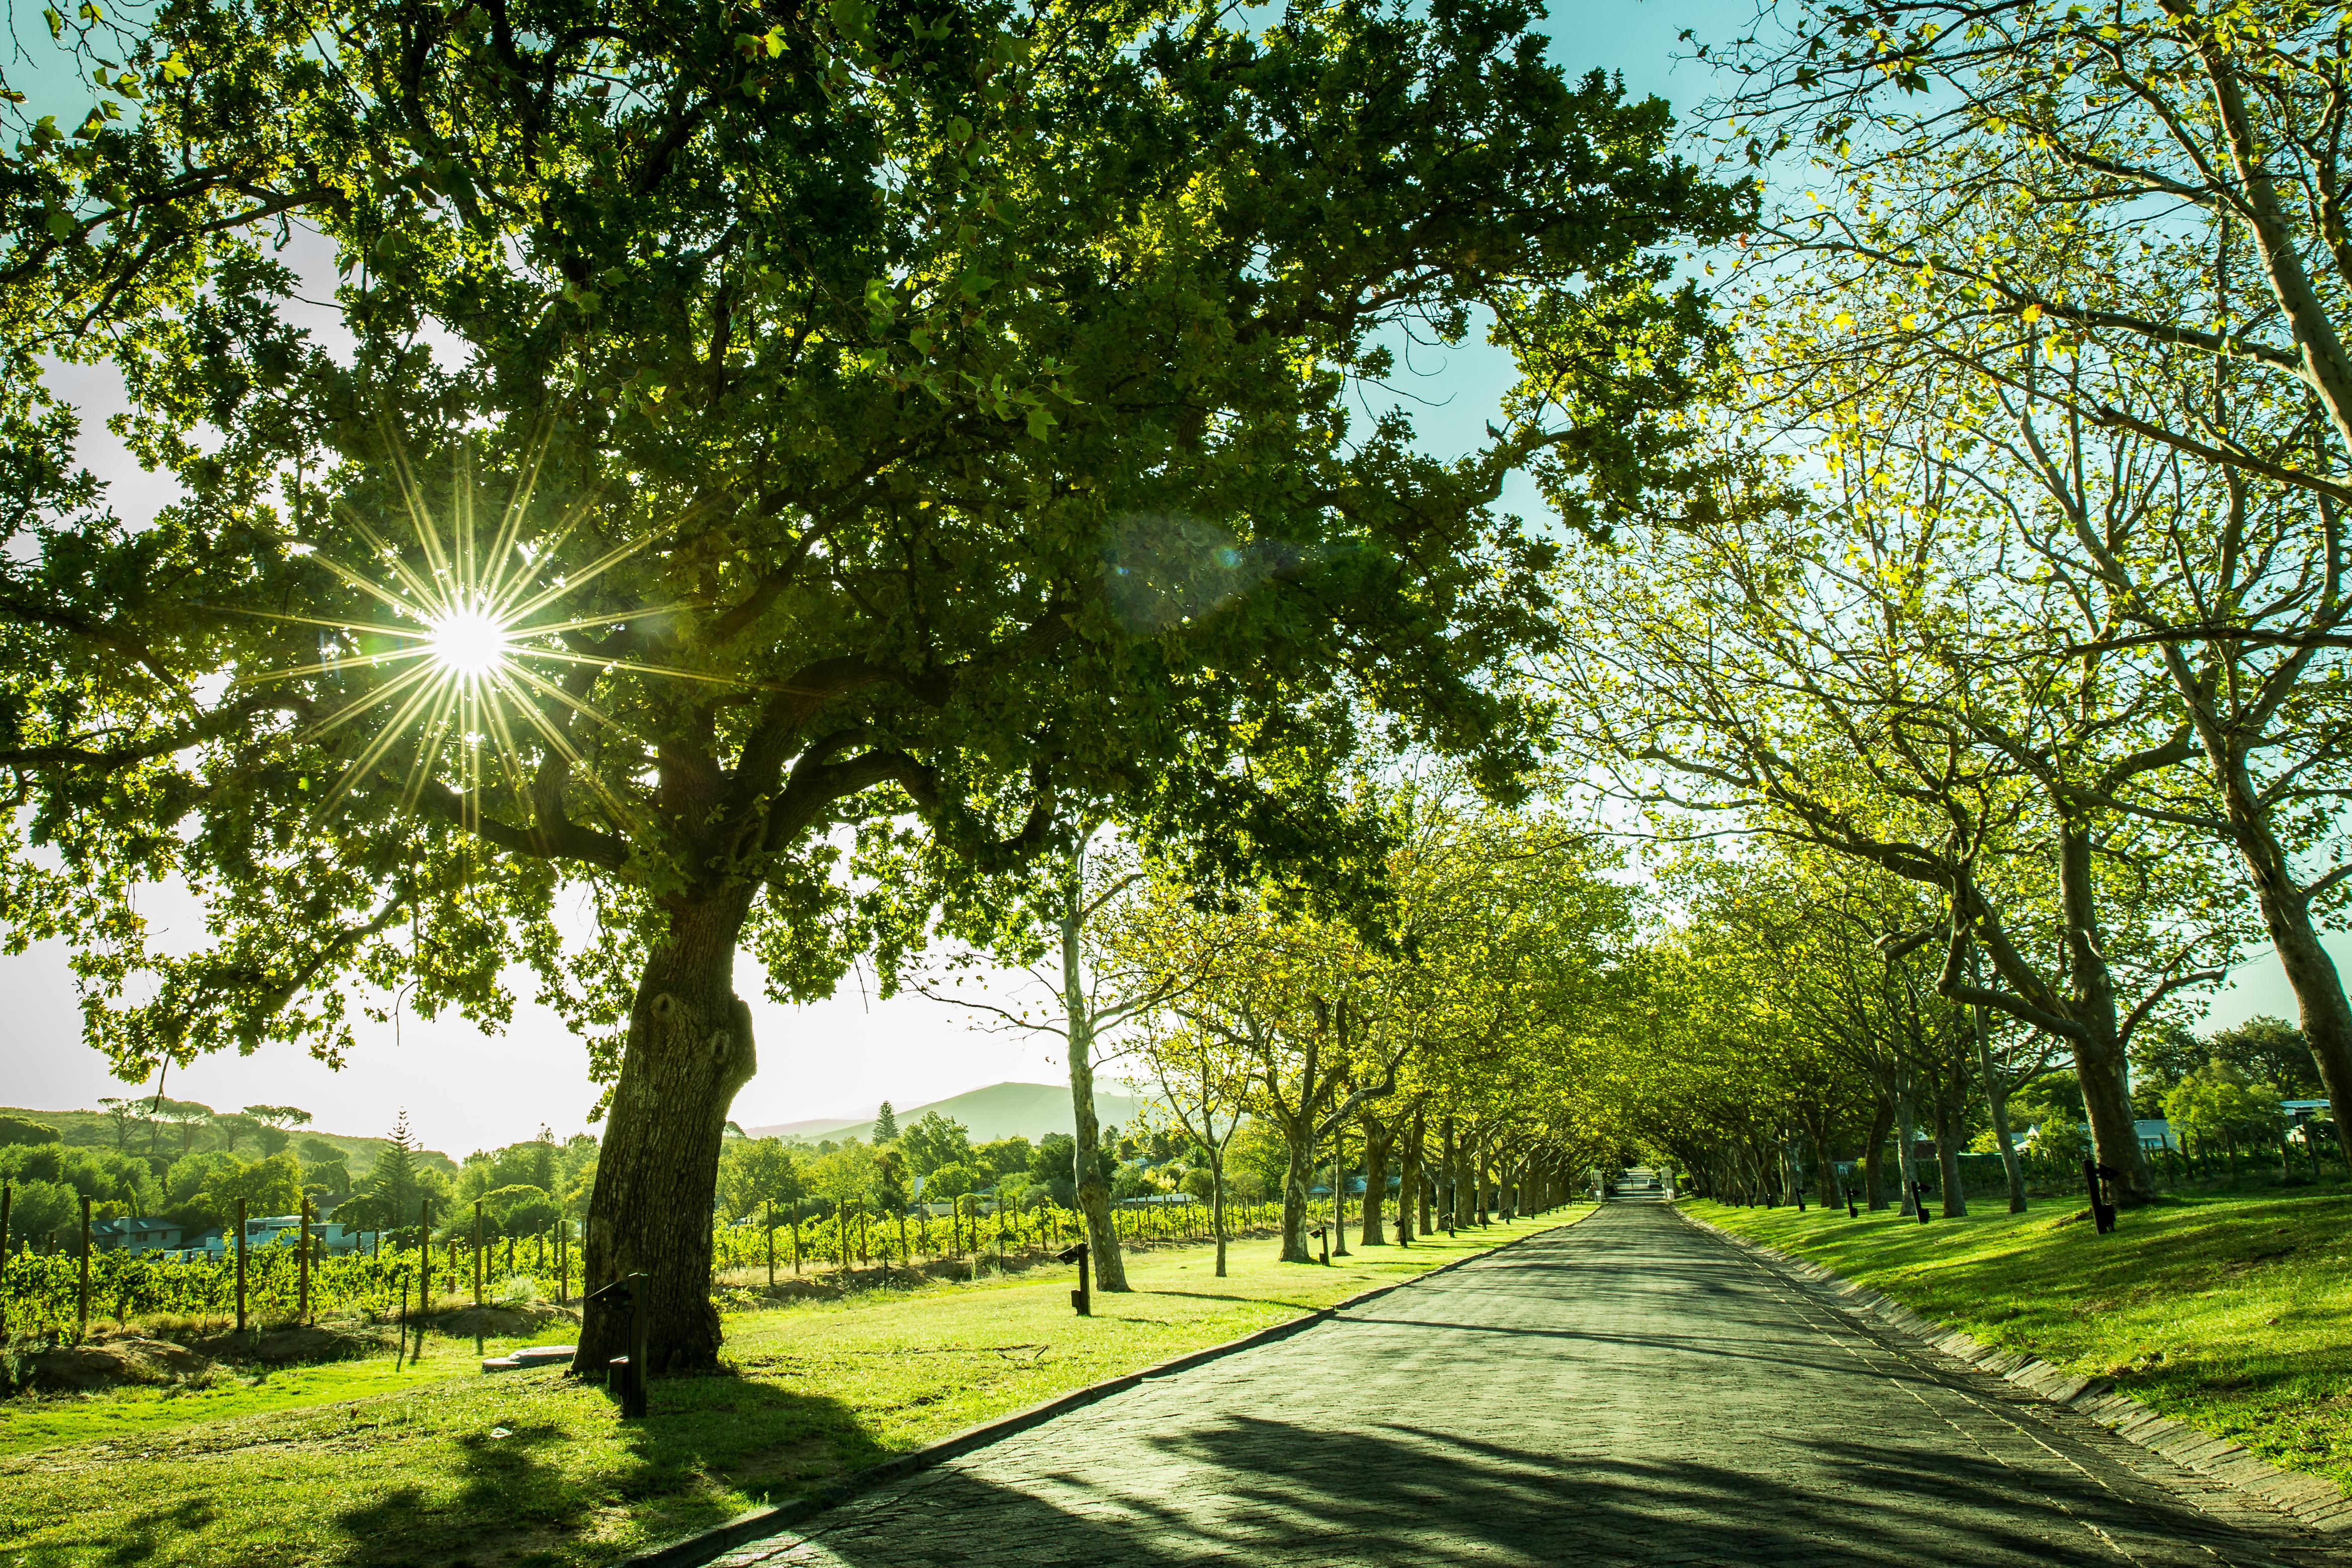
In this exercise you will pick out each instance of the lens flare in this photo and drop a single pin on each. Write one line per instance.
(470, 643)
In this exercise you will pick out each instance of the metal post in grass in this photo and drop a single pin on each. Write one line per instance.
(1080, 1298)
(423, 1273)
(81, 1327)
(1339, 1187)
(2101, 1180)
(240, 1266)
(1920, 1200)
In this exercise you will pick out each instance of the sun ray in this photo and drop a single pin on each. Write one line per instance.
(562, 742)
(385, 738)
(643, 613)
(423, 634)
(367, 585)
(602, 662)
(420, 517)
(428, 751)
(509, 544)
(381, 694)
(331, 665)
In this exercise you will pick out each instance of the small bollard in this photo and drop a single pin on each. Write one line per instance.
(1322, 1233)
(625, 1374)
(1851, 1211)
(2101, 1180)
(1079, 1298)
(1920, 1200)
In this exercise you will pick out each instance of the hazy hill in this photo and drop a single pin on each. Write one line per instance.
(95, 1129)
(814, 1127)
(1001, 1111)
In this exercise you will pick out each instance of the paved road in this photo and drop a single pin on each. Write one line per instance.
(1627, 1390)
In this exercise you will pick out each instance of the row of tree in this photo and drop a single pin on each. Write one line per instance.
(1780, 1041)
(2012, 642)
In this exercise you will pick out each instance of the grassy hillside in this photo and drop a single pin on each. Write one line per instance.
(1001, 1111)
(2228, 1311)
(96, 1130)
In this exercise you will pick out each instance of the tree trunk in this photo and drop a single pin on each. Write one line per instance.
(1874, 1154)
(1093, 1197)
(1950, 1123)
(1997, 1101)
(1217, 1205)
(1378, 1136)
(1457, 1181)
(1296, 1179)
(2098, 1052)
(1906, 1151)
(1408, 1181)
(2323, 1013)
(688, 1050)
(2326, 1019)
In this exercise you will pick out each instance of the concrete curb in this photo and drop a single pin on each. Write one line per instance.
(2312, 1500)
(693, 1551)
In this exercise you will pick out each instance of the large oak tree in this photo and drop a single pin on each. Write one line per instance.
(934, 416)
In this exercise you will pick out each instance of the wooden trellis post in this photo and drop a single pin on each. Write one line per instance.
(423, 1264)
(81, 1330)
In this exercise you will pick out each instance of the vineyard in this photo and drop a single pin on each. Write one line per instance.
(42, 1294)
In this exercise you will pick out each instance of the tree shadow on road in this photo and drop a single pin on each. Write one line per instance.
(1262, 1491)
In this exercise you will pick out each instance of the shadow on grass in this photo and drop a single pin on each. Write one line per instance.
(532, 1493)
(143, 1535)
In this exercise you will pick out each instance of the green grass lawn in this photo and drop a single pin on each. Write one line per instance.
(358, 1464)
(2232, 1313)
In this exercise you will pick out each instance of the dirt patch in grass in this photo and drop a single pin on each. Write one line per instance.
(502, 1320)
(112, 1363)
(294, 1346)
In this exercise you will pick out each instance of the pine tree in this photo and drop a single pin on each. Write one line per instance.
(542, 1161)
(393, 1188)
(885, 1124)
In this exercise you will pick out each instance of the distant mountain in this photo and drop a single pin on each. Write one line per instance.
(96, 1130)
(1001, 1111)
(816, 1127)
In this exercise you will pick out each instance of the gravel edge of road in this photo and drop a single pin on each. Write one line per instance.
(759, 1523)
(2312, 1500)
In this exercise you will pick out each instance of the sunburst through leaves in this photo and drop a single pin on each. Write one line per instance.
(475, 623)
